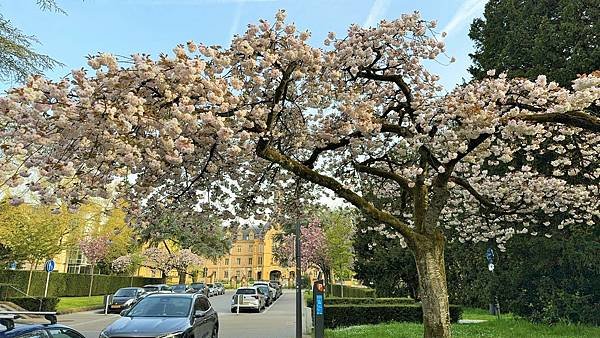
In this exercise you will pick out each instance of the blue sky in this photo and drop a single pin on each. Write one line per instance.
(124, 27)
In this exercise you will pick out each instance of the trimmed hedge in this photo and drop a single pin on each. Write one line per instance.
(35, 304)
(335, 290)
(352, 314)
(357, 301)
(67, 284)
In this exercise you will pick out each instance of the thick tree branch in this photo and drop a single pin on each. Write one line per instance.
(577, 119)
(267, 152)
(403, 182)
(397, 79)
(479, 197)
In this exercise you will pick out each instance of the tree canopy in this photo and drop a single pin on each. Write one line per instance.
(527, 38)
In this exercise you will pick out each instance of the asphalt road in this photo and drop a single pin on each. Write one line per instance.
(277, 321)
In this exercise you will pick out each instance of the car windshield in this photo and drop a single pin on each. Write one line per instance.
(245, 291)
(179, 287)
(151, 288)
(197, 285)
(161, 307)
(125, 293)
(263, 289)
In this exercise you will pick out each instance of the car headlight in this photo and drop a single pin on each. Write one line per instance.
(103, 335)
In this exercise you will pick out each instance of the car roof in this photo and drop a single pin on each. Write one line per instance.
(130, 288)
(184, 295)
(151, 285)
(21, 329)
(247, 287)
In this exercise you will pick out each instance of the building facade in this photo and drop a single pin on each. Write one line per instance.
(250, 258)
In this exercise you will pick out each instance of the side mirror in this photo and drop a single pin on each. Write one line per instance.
(123, 313)
(199, 313)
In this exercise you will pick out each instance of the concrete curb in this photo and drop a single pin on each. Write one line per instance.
(80, 309)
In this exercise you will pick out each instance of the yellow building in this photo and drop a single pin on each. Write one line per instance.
(250, 258)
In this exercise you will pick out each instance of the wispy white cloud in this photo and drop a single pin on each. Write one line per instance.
(235, 25)
(377, 10)
(465, 13)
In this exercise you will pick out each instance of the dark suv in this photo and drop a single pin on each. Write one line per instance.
(200, 288)
(182, 315)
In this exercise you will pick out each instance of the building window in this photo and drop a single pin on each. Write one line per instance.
(274, 261)
(226, 261)
(259, 260)
(239, 249)
(246, 237)
(250, 247)
(237, 274)
(249, 273)
(225, 274)
(239, 261)
(250, 261)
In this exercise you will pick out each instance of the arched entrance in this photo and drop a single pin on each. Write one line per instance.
(275, 275)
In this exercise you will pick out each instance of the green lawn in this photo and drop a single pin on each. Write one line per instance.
(507, 326)
(69, 303)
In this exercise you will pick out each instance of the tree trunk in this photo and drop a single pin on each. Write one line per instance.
(429, 257)
(182, 276)
(91, 280)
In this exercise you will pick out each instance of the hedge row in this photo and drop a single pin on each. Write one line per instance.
(338, 300)
(35, 304)
(352, 314)
(335, 290)
(67, 284)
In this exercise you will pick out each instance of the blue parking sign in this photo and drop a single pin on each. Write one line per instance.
(319, 304)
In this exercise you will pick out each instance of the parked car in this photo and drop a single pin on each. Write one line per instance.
(212, 289)
(220, 288)
(180, 288)
(10, 329)
(269, 294)
(124, 298)
(157, 288)
(277, 286)
(199, 288)
(173, 315)
(272, 290)
(247, 298)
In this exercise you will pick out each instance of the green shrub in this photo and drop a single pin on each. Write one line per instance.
(35, 304)
(67, 284)
(357, 301)
(352, 314)
(335, 290)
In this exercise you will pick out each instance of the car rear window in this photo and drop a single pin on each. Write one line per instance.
(126, 293)
(151, 288)
(245, 292)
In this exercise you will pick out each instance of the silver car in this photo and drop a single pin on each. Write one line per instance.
(248, 298)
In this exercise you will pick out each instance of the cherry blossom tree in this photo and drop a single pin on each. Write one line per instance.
(184, 259)
(245, 123)
(94, 249)
(312, 247)
(159, 259)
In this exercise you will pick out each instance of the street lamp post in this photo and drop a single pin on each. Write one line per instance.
(495, 306)
(298, 284)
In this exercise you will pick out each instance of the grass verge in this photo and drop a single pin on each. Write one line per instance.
(505, 327)
(67, 304)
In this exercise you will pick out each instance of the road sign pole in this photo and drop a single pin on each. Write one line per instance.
(47, 281)
(298, 284)
(319, 307)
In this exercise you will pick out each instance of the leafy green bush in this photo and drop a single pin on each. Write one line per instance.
(67, 284)
(353, 314)
(356, 301)
(335, 290)
(35, 304)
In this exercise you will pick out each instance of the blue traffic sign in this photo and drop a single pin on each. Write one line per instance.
(319, 304)
(49, 267)
(489, 254)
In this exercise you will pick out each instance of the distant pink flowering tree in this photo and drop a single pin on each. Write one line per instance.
(94, 249)
(182, 260)
(312, 247)
(159, 259)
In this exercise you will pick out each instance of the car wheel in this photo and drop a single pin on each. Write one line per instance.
(215, 332)
(233, 310)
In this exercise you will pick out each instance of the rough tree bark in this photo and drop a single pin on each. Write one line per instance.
(429, 258)
(182, 276)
